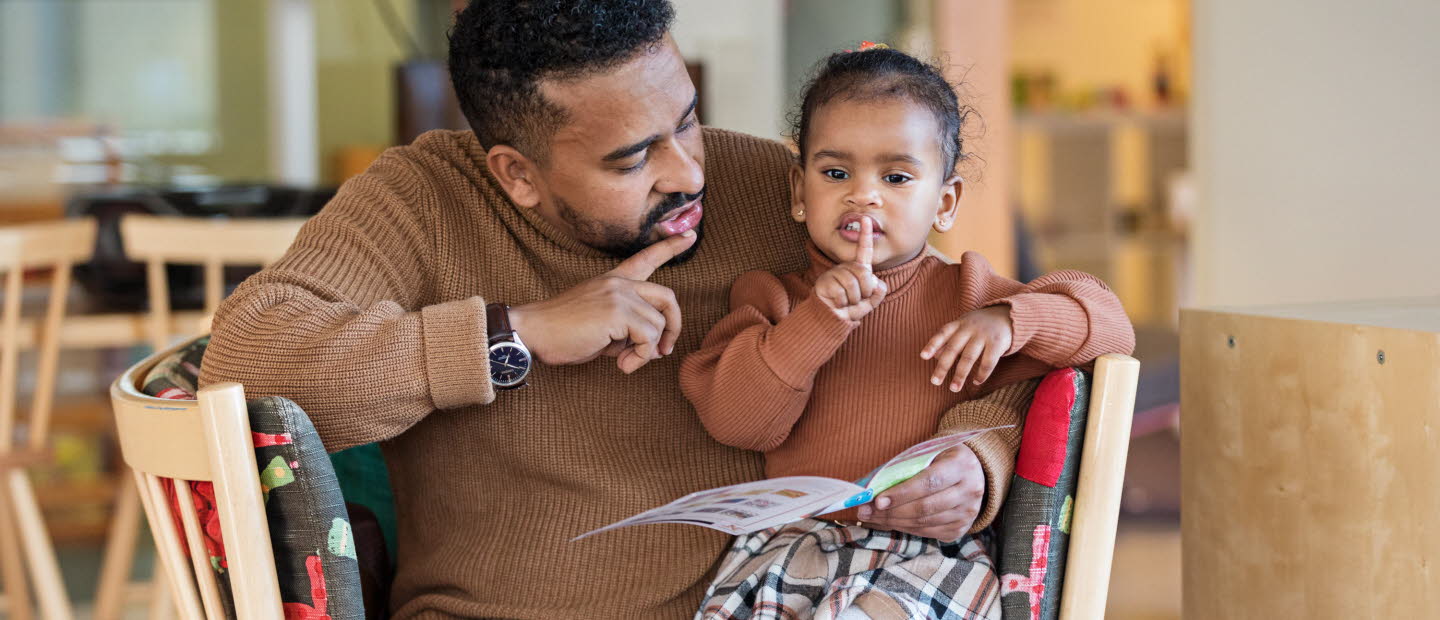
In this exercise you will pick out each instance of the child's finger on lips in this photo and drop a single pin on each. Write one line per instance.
(865, 253)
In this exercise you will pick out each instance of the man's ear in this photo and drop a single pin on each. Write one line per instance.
(949, 203)
(797, 193)
(518, 175)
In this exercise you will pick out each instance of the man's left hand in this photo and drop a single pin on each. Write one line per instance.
(940, 502)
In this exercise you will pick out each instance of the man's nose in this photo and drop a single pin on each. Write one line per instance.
(682, 173)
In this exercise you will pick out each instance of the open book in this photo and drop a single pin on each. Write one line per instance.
(754, 506)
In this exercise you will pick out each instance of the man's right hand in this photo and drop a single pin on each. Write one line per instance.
(617, 313)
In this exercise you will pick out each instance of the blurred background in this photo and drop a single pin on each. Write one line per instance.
(1220, 152)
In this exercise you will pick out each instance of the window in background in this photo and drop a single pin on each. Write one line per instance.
(142, 74)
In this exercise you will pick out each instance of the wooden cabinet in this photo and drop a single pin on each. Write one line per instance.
(1310, 442)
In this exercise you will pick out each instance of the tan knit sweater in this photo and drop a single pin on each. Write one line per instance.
(824, 396)
(374, 323)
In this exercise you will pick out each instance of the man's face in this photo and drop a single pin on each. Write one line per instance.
(627, 169)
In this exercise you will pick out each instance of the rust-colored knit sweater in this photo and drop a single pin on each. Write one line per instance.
(823, 396)
(374, 323)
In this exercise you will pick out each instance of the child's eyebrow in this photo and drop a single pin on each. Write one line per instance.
(832, 154)
(904, 158)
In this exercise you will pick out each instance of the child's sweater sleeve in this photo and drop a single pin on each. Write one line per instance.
(1063, 318)
(996, 449)
(751, 378)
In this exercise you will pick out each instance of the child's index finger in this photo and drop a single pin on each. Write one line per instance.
(865, 255)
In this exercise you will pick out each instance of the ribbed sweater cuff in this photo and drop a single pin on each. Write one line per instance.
(1060, 323)
(803, 341)
(457, 357)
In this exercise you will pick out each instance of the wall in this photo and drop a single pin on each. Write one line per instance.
(815, 29)
(971, 35)
(1315, 140)
(740, 43)
(1090, 44)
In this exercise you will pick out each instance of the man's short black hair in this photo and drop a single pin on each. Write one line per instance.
(500, 50)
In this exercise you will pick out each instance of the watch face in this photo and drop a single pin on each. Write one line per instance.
(509, 363)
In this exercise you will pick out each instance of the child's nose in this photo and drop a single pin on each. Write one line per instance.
(863, 196)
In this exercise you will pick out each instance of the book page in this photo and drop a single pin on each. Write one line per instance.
(748, 507)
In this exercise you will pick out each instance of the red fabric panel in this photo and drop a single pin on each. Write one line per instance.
(1047, 429)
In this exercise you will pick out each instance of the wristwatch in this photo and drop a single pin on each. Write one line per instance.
(509, 359)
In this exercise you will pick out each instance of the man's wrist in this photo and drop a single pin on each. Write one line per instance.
(519, 323)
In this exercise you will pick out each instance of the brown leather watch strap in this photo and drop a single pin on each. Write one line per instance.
(497, 322)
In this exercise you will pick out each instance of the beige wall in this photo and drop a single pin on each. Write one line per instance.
(740, 43)
(1316, 145)
(1091, 44)
(971, 35)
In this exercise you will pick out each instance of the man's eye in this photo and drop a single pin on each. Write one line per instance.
(838, 175)
(638, 165)
(896, 179)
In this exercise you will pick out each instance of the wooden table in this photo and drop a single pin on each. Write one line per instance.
(1311, 461)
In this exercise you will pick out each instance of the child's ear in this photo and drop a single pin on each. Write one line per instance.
(949, 203)
(517, 174)
(797, 192)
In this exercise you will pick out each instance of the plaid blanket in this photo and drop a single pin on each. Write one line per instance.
(813, 568)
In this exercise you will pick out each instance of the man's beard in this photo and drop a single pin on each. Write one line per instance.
(622, 242)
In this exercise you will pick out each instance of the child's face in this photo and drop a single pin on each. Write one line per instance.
(878, 158)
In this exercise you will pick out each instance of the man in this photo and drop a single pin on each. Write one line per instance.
(589, 201)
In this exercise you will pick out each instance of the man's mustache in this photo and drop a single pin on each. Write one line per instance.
(668, 204)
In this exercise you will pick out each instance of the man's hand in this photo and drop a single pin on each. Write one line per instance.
(983, 336)
(617, 313)
(851, 289)
(940, 502)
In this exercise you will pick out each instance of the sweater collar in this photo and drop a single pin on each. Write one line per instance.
(896, 278)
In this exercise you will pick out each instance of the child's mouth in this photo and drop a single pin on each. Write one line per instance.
(850, 227)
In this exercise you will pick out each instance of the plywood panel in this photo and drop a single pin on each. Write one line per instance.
(1310, 470)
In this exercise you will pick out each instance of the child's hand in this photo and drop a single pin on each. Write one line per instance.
(851, 289)
(940, 502)
(983, 336)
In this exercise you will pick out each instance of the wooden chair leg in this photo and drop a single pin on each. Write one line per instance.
(44, 569)
(119, 562)
(12, 566)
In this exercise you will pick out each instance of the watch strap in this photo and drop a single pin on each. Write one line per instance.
(497, 322)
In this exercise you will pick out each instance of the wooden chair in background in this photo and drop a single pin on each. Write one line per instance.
(157, 241)
(26, 552)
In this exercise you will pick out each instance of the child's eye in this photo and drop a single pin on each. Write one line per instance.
(838, 175)
(896, 179)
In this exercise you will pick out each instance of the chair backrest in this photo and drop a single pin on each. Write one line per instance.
(1097, 496)
(212, 243)
(50, 245)
(199, 440)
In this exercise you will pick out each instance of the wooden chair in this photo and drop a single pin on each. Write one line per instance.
(199, 440)
(1097, 496)
(158, 241)
(56, 246)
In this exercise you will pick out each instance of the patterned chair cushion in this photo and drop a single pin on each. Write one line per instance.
(310, 532)
(1035, 521)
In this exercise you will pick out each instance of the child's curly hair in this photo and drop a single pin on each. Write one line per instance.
(884, 73)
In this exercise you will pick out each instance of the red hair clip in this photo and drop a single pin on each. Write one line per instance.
(869, 45)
